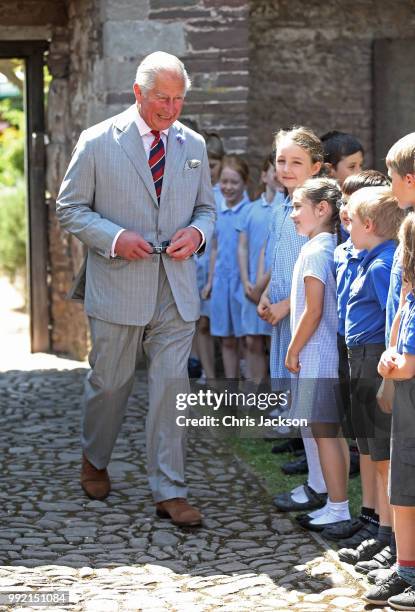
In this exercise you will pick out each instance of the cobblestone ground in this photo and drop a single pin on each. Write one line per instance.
(116, 555)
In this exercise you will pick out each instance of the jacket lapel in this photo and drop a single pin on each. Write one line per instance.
(175, 159)
(127, 134)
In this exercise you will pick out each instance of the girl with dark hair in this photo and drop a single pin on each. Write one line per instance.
(343, 155)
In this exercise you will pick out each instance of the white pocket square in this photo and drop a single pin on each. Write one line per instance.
(192, 163)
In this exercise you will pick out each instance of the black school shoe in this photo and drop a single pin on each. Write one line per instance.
(299, 466)
(289, 446)
(363, 552)
(379, 594)
(383, 559)
(285, 503)
(404, 601)
(366, 532)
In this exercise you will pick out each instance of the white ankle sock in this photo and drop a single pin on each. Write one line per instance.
(315, 475)
(298, 495)
(334, 513)
(317, 513)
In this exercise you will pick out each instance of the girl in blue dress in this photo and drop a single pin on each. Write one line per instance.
(252, 235)
(224, 281)
(312, 356)
(203, 340)
(299, 156)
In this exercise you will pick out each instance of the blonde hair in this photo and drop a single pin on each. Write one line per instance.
(407, 248)
(306, 139)
(401, 156)
(381, 207)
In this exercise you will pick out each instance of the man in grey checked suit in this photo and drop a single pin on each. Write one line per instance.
(140, 290)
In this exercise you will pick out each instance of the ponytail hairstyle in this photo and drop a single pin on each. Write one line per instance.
(306, 139)
(323, 189)
(407, 248)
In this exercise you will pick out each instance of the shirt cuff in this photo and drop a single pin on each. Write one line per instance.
(203, 238)
(113, 253)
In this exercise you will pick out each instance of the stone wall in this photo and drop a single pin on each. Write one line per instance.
(210, 36)
(311, 63)
(72, 55)
(256, 66)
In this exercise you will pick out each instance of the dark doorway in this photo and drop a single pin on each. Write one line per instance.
(393, 94)
(32, 53)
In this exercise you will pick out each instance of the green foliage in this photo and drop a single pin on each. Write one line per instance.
(13, 229)
(12, 192)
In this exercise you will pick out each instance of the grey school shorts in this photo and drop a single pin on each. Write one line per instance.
(402, 466)
(372, 427)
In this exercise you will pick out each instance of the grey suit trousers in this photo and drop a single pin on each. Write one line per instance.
(166, 342)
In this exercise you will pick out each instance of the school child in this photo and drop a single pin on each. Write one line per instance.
(346, 262)
(299, 156)
(374, 224)
(312, 356)
(251, 237)
(203, 340)
(396, 365)
(343, 155)
(224, 280)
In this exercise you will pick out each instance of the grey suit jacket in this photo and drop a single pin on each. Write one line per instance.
(108, 186)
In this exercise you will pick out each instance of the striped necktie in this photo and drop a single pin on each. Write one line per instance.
(156, 161)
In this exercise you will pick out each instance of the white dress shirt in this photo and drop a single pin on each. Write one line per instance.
(148, 138)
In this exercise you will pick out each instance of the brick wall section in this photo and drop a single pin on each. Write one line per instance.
(217, 59)
(311, 63)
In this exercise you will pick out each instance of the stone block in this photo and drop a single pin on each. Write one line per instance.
(233, 37)
(121, 10)
(57, 110)
(117, 74)
(138, 38)
(57, 162)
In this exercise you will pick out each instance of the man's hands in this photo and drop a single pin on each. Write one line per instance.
(131, 245)
(184, 243)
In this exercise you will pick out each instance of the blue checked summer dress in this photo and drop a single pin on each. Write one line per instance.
(315, 387)
(203, 262)
(256, 228)
(227, 291)
(286, 250)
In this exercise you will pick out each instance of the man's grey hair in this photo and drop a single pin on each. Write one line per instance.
(158, 62)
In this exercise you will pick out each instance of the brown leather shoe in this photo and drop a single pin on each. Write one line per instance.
(95, 483)
(179, 511)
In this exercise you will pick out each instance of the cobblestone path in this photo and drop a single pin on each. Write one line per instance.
(117, 555)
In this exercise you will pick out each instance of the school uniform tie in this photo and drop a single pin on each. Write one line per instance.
(156, 161)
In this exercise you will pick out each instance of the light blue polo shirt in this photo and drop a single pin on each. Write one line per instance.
(365, 310)
(346, 263)
(406, 333)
